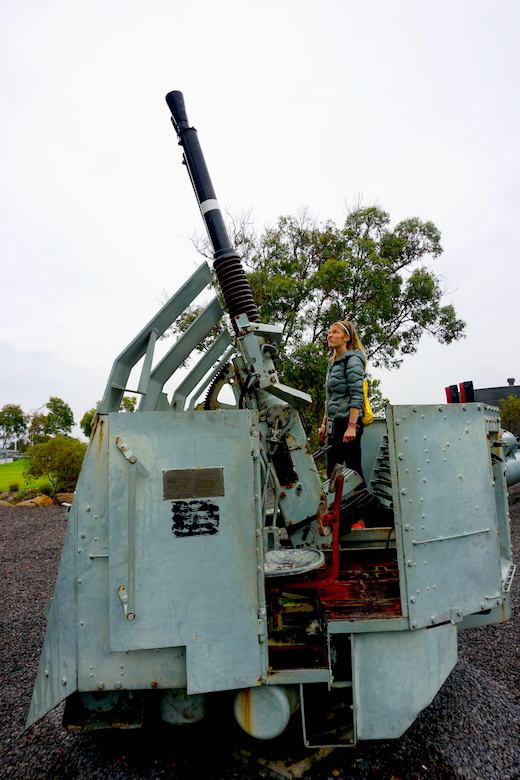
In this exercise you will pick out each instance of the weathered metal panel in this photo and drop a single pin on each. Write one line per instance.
(447, 511)
(396, 675)
(188, 564)
(56, 677)
(490, 617)
(98, 667)
(301, 494)
(370, 441)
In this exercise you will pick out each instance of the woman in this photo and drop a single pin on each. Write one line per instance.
(342, 426)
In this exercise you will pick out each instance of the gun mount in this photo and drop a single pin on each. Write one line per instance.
(179, 580)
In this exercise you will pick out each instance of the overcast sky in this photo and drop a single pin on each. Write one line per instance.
(410, 104)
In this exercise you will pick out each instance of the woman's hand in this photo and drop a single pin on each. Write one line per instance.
(322, 433)
(350, 433)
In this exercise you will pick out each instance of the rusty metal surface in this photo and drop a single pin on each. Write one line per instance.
(363, 590)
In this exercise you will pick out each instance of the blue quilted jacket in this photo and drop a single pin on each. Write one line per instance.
(345, 386)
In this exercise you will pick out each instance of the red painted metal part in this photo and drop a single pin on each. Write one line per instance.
(366, 587)
(330, 518)
(363, 590)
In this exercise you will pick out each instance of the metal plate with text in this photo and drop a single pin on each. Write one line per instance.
(193, 483)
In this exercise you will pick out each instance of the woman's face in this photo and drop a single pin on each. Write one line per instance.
(337, 337)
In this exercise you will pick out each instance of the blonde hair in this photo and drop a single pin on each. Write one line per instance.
(355, 341)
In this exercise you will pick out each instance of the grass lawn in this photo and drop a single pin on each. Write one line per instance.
(13, 472)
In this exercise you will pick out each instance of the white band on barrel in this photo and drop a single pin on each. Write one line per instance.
(209, 205)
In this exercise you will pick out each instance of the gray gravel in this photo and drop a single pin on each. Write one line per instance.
(470, 731)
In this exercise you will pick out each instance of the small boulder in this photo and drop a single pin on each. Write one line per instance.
(63, 498)
(40, 500)
(4, 503)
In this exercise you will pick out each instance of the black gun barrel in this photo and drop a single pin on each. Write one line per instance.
(227, 263)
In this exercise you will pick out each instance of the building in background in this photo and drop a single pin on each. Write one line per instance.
(466, 393)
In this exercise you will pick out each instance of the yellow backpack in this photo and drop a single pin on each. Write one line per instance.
(368, 414)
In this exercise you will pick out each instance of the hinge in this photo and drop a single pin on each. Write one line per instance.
(262, 625)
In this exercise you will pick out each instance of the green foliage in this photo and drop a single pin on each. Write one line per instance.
(25, 494)
(87, 421)
(13, 424)
(510, 414)
(58, 460)
(305, 276)
(60, 419)
(128, 403)
(46, 489)
(306, 371)
(36, 427)
(14, 487)
(187, 318)
(86, 424)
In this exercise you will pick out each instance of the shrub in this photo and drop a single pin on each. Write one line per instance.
(14, 487)
(46, 489)
(510, 414)
(24, 495)
(58, 460)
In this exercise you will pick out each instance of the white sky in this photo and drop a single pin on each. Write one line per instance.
(413, 104)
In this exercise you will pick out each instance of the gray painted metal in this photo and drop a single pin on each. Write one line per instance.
(221, 346)
(264, 712)
(370, 442)
(446, 508)
(197, 596)
(161, 582)
(181, 350)
(193, 587)
(98, 667)
(396, 675)
(57, 671)
(512, 458)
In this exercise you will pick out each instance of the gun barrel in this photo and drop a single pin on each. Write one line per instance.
(227, 263)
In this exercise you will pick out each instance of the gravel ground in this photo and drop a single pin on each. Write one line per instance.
(471, 730)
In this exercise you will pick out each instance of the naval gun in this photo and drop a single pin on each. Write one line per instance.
(205, 557)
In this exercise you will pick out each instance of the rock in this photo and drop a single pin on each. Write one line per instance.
(43, 500)
(40, 500)
(4, 503)
(63, 498)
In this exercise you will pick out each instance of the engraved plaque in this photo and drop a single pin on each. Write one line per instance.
(193, 483)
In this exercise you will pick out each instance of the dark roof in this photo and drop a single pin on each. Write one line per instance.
(492, 395)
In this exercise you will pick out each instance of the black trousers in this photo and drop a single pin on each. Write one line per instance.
(347, 453)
